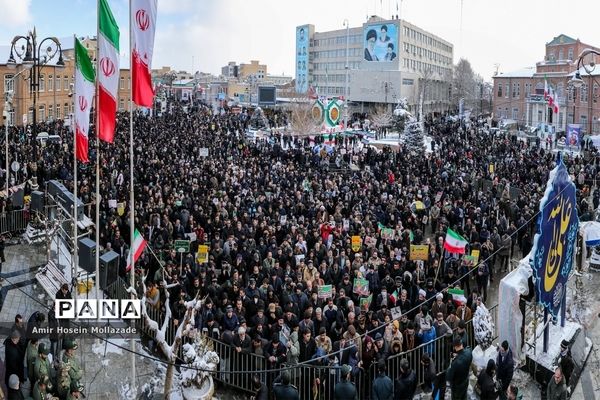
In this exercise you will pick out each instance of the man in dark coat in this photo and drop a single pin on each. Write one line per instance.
(505, 365)
(283, 390)
(14, 354)
(383, 387)
(565, 361)
(458, 372)
(406, 384)
(345, 389)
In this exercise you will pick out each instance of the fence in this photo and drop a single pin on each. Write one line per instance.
(313, 381)
(13, 221)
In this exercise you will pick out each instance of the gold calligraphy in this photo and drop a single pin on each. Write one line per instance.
(559, 218)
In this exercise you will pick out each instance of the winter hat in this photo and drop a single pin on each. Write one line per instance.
(346, 369)
(505, 345)
(13, 382)
(422, 292)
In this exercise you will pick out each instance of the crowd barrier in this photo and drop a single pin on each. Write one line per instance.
(315, 381)
(13, 221)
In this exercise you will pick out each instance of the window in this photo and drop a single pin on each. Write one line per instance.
(560, 91)
(583, 123)
(66, 110)
(507, 87)
(516, 90)
(570, 91)
(500, 90)
(42, 113)
(122, 84)
(596, 125)
(540, 114)
(50, 111)
(65, 83)
(595, 93)
(121, 105)
(570, 118)
(570, 57)
(560, 54)
(9, 83)
(560, 119)
(58, 116)
(515, 114)
(583, 93)
(42, 83)
(551, 57)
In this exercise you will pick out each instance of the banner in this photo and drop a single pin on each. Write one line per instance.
(475, 255)
(202, 254)
(387, 233)
(555, 239)
(573, 134)
(325, 291)
(419, 252)
(356, 243)
(361, 286)
(365, 302)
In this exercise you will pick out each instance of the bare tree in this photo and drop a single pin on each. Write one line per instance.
(303, 120)
(168, 350)
(381, 117)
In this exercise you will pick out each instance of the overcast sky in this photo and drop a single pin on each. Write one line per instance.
(206, 34)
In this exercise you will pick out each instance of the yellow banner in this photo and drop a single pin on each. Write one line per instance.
(202, 256)
(356, 243)
(419, 252)
(475, 254)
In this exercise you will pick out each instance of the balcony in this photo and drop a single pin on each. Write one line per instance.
(539, 98)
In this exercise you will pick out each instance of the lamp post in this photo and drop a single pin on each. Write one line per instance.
(34, 57)
(8, 98)
(347, 25)
(576, 81)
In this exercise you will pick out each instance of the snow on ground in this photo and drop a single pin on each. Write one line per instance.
(100, 347)
(556, 335)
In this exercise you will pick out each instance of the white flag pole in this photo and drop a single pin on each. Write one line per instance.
(75, 202)
(97, 222)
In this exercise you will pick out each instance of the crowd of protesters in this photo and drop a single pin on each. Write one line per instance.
(278, 217)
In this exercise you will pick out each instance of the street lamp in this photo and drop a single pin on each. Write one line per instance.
(33, 57)
(576, 81)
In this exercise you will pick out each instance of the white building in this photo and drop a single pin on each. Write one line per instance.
(387, 60)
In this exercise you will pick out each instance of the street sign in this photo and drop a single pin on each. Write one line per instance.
(182, 246)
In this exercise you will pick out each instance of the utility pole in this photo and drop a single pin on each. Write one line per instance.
(346, 68)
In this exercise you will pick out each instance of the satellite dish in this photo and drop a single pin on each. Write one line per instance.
(15, 166)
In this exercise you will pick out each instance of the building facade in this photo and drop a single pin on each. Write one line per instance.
(386, 60)
(519, 95)
(54, 97)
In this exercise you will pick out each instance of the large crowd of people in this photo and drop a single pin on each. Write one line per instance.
(279, 215)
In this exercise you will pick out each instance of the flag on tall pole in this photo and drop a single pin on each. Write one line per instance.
(84, 95)
(139, 244)
(108, 71)
(143, 26)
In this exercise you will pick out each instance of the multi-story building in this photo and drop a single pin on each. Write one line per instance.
(519, 95)
(254, 69)
(54, 97)
(386, 60)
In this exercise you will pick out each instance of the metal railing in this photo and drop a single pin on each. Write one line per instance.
(13, 221)
(316, 381)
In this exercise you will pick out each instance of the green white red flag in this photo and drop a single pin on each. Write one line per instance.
(108, 71)
(84, 95)
(143, 26)
(139, 244)
(454, 243)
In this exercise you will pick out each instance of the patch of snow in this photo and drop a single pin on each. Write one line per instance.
(99, 347)
(556, 335)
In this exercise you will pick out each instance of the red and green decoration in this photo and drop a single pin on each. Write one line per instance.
(333, 113)
(317, 112)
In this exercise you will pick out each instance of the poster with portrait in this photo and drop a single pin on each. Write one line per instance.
(380, 42)
(573, 133)
(302, 41)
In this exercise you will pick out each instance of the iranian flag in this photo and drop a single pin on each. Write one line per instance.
(458, 295)
(454, 243)
(84, 95)
(108, 71)
(139, 244)
(143, 26)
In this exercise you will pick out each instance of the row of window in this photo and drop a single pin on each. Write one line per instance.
(539, 90)
(331, 66)
(332, 90)
(55, 83)
(423, 66)
(339, 53)
(429, 54)
(330, 78)
(552, 55)
(503, 113)
(426, 39)
(337, 40)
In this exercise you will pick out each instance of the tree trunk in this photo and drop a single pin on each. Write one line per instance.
(169, 381)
